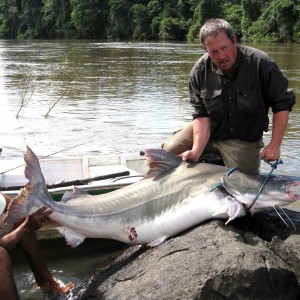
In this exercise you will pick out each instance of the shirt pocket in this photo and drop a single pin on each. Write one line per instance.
(248, 102)
(213, 102)
(252, 115)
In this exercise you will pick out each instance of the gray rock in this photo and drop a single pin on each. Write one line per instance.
(211, 261)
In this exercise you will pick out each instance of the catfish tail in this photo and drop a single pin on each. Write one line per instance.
(18, 208)
(33, 195)
(32, 170)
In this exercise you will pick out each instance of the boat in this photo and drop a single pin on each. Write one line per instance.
(94, 174)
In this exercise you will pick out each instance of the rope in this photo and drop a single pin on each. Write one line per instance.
(273, 166)
(219, 183)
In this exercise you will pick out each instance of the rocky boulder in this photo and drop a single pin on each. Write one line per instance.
(252, 258)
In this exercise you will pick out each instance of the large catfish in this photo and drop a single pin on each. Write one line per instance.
(173, 197)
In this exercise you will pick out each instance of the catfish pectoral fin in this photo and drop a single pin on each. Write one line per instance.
(231, 207)
(72, 238)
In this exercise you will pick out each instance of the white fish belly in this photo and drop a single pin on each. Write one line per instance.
(190, 212)
(145, 229)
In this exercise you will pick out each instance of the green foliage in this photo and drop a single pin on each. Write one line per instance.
(296, 27)
(276, 22)
(89, 17)
(210, 9)
(154, 8)
(9, 18)
(194, 23)
(193, 32)
(141, 21)
(204, 10)
(56, 21)
(155, 27)
(172, 29)
(259, 20)
(119, 25)
(49, 18)
(30, 20)
(251, 10)
(233, 13)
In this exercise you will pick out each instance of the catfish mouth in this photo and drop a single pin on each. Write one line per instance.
(293, 190)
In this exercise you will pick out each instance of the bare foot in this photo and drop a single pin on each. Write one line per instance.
(56, 286)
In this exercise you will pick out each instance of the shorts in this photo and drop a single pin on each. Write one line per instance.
(243, 155)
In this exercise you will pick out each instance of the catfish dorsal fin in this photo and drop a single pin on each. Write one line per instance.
(159, 161)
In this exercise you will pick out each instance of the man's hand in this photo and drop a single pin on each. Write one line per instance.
(270, 153)
(190, 155)
(30, 224)
(36, 220)
(201, 135)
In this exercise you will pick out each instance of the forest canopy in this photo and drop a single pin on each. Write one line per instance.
(253, 20)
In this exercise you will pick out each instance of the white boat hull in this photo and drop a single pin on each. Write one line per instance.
(57, 170)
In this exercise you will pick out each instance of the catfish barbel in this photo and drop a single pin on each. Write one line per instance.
(173, 196)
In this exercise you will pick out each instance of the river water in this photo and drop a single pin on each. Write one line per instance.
(111, 98)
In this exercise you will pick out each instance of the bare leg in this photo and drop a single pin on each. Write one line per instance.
(180, 141)
(44, 279)
(8, 289)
